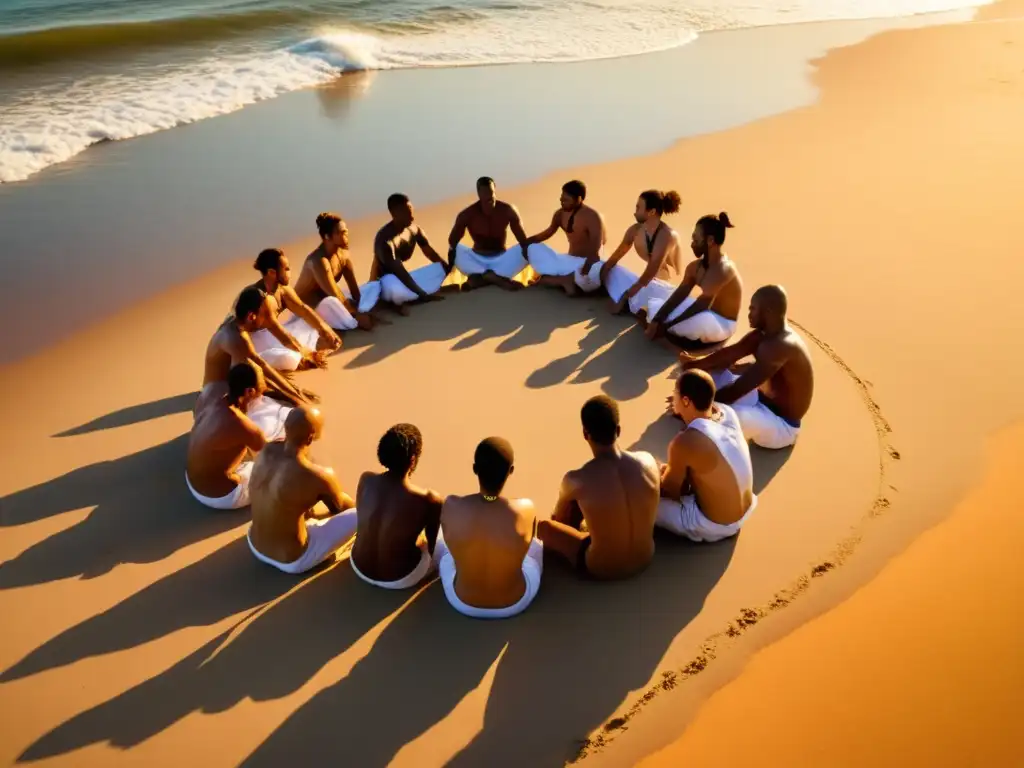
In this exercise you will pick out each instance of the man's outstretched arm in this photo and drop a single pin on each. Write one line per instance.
(770, 358)
(548, 233)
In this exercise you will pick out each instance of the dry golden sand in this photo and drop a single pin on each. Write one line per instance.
(143, 632)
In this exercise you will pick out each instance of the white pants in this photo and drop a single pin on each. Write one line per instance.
(428, 278)
(237, 499)
(508, 264)
(533, 569)
(760, 424)
(415, 576)
(334, 313)
(269, 415)
(325, 536)
(684, 518)
(279, 356)
(621, 280)
(706, 326)
(546, 261)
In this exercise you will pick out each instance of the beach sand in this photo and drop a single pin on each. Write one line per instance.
(146, 634)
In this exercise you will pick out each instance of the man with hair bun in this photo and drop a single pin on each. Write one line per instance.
(615, 493)
(490, 541)
(579, 267)
(707, 486)
(711, 316)
(397, 521)
(299, 343)
(657, 244)
(347, 307)
(772, 394)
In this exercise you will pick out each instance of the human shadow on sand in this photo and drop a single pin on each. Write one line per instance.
(614, 352)
(226, 582)
(521, 319)
(133, 414)
(276, 652)
(142, 512)
(568, 662)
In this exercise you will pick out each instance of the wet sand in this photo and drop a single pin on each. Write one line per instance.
(146, 634)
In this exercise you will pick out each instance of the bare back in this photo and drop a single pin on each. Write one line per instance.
(283, 489)
(588, 234)
(710, 477)
(488, 540)
(618, 496)
(220, 436)
(721, 281)
(788, 392)
(391, 515)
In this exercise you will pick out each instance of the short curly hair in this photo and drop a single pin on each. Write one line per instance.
(400, 447)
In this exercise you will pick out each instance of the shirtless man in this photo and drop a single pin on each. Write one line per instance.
(772, 394)
(710, 317)
(394, 245)
(490, 541)
(221, 434)
(657, 244)
(288, 529)
(707, 487)
(329, 263)
(287, 346)
(584, 229)
(398, 521)
(488, 221)
(616, 493)
(231, 345)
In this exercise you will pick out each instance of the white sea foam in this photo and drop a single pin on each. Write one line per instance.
(49, 125)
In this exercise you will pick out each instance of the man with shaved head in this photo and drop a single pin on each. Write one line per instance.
(490, 541)
(288, 530)
(772, 394)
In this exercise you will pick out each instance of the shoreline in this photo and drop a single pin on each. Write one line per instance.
(876, 147)
(183, 199)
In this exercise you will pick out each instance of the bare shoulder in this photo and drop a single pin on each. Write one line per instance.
(591, 216)
(779, 347)
(507, 208)
(645, 459)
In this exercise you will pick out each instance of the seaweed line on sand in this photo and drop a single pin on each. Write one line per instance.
(714, 645)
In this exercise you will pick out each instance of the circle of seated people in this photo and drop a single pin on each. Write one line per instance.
(607, 509)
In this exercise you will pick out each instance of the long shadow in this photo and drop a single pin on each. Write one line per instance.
(659, 433)
(599, 334)
(226, 582)
(524, 318)
(572, 661)
(142, 513)
(423, 664)
(627, 366)
(134, 414)
(274, 655)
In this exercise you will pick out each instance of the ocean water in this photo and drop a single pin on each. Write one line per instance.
(74, 73)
